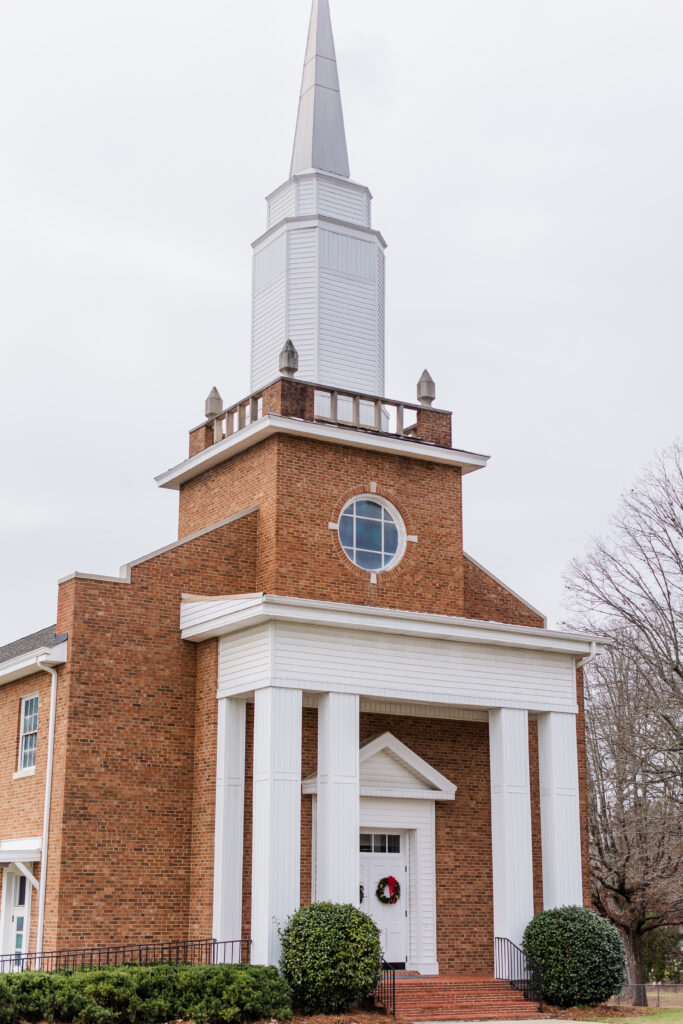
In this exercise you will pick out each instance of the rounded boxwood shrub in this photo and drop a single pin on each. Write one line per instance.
(330, 956)
(580, 955)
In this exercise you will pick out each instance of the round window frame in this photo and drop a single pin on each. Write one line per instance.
(398, 523)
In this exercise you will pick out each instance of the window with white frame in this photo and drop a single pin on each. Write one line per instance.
(28, 737)
(372, 533)
(379, 842)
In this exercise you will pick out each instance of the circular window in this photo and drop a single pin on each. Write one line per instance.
(371, 533)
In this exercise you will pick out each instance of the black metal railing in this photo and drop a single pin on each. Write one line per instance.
(513, 965)
(385, 993)
(184, 951)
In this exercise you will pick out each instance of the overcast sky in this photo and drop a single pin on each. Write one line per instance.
(526, 159)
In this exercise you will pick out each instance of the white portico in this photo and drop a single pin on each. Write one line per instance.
(284, 653)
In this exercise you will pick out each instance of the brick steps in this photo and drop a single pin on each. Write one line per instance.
(459, 997)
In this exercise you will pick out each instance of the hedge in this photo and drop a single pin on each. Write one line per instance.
(580, 955)
(136, 994)
(330, 956)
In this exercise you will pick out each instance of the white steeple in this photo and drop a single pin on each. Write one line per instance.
(318, 275)
(320, 141)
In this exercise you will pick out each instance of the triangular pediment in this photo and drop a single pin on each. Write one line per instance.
(391, 769)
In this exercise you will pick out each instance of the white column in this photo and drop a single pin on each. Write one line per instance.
(338, 805)
(513, 894)
(229, 827)
(276, 830)
(560, 821)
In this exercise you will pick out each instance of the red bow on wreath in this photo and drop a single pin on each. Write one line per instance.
(392, 885)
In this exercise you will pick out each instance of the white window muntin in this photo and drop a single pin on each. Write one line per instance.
(376, 558)
(28, 736)
(380, 842)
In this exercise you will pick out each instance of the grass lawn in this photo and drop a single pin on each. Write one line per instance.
(670, 1016)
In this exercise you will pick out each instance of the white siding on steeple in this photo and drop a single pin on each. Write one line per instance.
(302, 300)
(282, 204)
(380, 313)
(343, 201)
(307, 196)
(269, 304)
(348, 332)
(347, 255)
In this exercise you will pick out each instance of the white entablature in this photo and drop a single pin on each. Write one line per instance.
(385, 654)
(318, 271)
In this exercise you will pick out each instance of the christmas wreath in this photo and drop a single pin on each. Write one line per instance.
(392, 885)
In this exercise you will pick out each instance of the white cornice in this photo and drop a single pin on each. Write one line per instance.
(21, 851)
(26, 664)
(313, 220)
(201, 620)
(272, 424)
(348, 183)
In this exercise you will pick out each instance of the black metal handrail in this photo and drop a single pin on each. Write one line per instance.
(512, 964)
(183, 951)
(384, 993)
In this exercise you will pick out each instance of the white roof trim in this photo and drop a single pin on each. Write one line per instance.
(221, 616)
(313, 220)
(500, 582)
(125, 570)
(26, 664)
(436, 786)
(272, 424)
(22, 851)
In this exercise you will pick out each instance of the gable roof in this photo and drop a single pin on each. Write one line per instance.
(46, 637)
(388, 768)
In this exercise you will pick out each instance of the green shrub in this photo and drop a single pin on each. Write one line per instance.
(330, 956)
(580, 955)
(9, 1013)
(137, 994)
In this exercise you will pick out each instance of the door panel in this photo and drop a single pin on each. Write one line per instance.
(390, 918)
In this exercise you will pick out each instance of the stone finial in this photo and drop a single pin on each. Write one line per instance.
(289, 360)
(426, 391)
(213, 404)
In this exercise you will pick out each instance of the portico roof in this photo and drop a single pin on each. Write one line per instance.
(204, 617)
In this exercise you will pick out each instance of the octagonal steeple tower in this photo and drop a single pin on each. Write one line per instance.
(318, 273)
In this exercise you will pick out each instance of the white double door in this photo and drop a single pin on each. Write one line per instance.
(384, 855)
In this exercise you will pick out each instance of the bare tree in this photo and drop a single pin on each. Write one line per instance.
(630, 587)
(636, 826)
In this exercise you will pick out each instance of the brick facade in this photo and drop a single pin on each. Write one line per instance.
(131, 842)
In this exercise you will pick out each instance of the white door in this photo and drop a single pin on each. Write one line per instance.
(385, 855)
(16, 911)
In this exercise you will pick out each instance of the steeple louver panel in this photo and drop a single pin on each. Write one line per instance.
(320, 140)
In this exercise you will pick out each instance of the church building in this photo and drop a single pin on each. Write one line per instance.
(313, 693)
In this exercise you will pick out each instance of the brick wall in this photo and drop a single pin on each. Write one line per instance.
(122, 862)
(21, 806)
(200, 918)
(486, 598)
(300, 487)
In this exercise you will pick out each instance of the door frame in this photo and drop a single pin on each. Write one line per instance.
(404, 880)
(416, 820)
(10, 875)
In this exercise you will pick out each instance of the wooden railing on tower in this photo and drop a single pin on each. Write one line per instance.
(317, 403)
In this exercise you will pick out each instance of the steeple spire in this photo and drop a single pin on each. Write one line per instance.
(320, 140)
